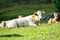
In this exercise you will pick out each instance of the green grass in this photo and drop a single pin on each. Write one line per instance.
(12, 12)
(42, 32)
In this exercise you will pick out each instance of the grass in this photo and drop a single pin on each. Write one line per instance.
(42, 32)
(12, 12)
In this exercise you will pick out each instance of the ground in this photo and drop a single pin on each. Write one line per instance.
(42, 32)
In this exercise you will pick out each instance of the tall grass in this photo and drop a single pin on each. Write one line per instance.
(24, 10)
(42, 32)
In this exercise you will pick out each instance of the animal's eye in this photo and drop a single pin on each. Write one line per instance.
(36, 14)
(41, 14)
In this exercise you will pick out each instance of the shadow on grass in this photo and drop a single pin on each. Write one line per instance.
(11, 35)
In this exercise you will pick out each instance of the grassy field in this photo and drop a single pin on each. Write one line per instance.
(13, 12)
(42, 32)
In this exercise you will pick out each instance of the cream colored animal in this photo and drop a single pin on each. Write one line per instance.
(53, 20)
(31, 20)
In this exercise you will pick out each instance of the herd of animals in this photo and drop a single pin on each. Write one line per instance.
(31, 20)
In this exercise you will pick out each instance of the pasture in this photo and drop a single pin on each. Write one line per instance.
(42, 32)
(24, 10)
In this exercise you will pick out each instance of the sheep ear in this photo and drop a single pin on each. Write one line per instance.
(20, 16)
(43, 12)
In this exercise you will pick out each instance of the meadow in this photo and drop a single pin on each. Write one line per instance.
(24, 10)
(42, 32)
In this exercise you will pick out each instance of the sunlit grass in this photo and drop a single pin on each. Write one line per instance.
(42, 32)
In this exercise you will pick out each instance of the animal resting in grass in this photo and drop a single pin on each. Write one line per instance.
(31, 20)
(54, 18)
